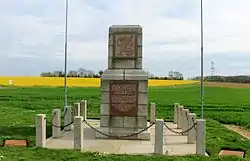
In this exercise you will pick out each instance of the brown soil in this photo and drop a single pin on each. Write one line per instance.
(229, 85)
(239, 130)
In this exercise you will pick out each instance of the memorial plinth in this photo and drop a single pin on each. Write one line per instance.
(124, 85)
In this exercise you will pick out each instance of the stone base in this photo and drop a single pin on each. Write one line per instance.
(145, 135)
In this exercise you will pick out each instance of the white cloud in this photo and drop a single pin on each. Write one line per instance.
(35, 29)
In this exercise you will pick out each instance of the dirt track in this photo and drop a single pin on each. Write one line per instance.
(229, 85)
(239, 130)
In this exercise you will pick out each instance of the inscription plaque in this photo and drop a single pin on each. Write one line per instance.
(123, 98)
(125, 45)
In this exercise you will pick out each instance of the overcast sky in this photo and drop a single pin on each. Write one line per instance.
(32, 34)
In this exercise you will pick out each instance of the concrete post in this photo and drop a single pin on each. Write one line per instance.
(40, 130)
(185, 121)
(76, 109)
(67, 118)
(158, 149)
(179, 123)
(176, 106)
(56, 123)
(84, 109)
(78, 132)
(152, 112)
(201, 136)
(192, 133)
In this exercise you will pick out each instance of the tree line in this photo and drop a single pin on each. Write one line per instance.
(172, 75)
(227, 79)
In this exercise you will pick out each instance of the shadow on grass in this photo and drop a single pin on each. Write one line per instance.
(21, 133)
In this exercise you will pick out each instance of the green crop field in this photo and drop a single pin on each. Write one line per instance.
(18, 107)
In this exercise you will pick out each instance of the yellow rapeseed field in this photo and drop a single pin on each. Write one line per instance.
(73, 82)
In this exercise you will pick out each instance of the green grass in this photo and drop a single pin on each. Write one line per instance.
(30, 154)
(18, 107)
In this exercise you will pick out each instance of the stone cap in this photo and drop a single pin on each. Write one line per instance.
(124, 74)
(125, 28)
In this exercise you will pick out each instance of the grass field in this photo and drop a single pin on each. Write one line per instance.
(18, 107)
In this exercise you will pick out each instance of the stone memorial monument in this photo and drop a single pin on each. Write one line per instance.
(124, 85)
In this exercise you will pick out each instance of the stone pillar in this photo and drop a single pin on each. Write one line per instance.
(56, 123)
(185, 120)
(78, 132)
(152, 112)
(40, 130)
(67, 118)
(201, 136)
(179, 125)
(158, 149)
(84, 109)
(124, 85)
(176, 106)
(76, 109)
(192, 133)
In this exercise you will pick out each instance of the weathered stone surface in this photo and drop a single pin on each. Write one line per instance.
(104, 121)
(104, 130)
(111, 40)
(139, 52)
(123, 98)
(185, 120)
(152, 112)
(124, 85)
(142, 110)
(104, 97)
(110, 63)
(125, 45)
(104, 85)
(176, 106)
(125, 28)
(110, 51)
(159, 136)
(77, 108)
(143, 86)
(138, 64)
(56, 121)
(114, 74)
(104, 109)
(78, 132)
(143, 98)
(139, 40)
(124, 135)
(130, 122)
(142, 121)
(179, 125)
(191, 133)
(201, 137)
(40, 130)
(83, 111)
(124, 64)
(136, 74)
(145, 135)
(67, 118)
(116, 121)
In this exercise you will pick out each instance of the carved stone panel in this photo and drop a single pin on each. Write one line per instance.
(125, 46)
(123, 98)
